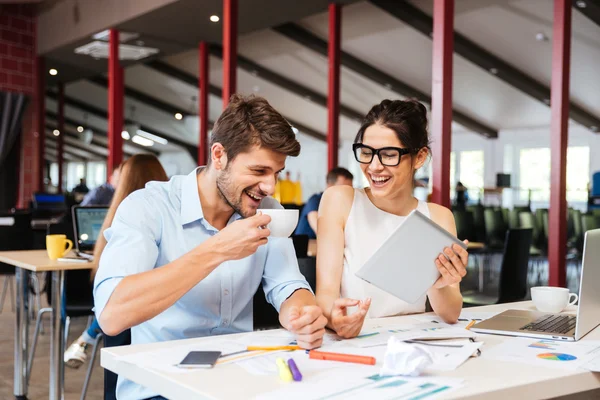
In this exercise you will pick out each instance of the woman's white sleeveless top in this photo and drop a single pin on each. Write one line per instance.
(366, 229)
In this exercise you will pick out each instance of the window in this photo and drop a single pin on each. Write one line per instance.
(75, 171)
(578, 173)
(96, 174)
(471, 172)
(534, 170)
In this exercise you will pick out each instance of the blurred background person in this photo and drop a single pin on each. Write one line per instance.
(307, 225)
(135, 173)
(103, 194)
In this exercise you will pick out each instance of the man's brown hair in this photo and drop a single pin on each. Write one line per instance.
(251, 121)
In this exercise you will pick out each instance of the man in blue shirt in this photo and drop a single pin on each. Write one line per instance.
(184, 258)
(103, 194)
(307, 225)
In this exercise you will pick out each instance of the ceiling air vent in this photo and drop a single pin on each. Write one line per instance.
(98, 49)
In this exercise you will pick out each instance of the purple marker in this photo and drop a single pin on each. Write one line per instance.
(295, 371)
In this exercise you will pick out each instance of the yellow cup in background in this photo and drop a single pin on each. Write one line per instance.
(55, 245)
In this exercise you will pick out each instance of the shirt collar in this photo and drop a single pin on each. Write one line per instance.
(191, 209)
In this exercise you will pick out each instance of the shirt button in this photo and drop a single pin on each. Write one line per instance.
(226, 292)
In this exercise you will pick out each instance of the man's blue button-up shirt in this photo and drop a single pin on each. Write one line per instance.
(157, 225)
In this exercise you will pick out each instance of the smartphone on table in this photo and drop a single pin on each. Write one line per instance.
(200, 359)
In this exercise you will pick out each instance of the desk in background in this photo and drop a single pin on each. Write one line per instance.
(484, 378)
(38, 261)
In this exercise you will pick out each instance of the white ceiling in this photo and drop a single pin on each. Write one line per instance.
(505, 28)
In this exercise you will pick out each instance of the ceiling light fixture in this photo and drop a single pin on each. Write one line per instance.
(80, 129)
(541, 37)
(125, 135)
(214, 18)
(494, 71)
(178, 116)
(53, 71)
(142, 141)
(152, 137)
(581, 4)
(56, 132)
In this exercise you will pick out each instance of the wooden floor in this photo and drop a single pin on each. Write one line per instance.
(38, 387)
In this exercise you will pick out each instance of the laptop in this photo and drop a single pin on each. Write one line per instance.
(87, 222)
(410, 251)
(562, 327)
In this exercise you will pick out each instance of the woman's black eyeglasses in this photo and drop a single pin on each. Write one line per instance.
(388, 156)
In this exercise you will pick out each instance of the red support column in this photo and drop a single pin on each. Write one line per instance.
(441, 99)
(203, 103)
(40, 109)
(559, 103)
(333, 94)
(61, 135)
(115, 105)
(230, 24)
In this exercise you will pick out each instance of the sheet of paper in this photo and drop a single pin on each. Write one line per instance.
(593, 363)
(545, 353)
(425, 331)
(167, 358)
(463, 320)
(446, 358)
(264, 364)
(349, 384)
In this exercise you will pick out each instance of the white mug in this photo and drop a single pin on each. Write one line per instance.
(552, 299)
(283, 222)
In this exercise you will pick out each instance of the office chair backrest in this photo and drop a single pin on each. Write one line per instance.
(110, 378)
(513, 273)
(300, 245)
(465, 225)
(15, 234)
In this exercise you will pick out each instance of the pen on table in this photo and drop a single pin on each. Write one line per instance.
(471, 319)
(272, 348)
(470, 325)
(352, 358)
(284, 372)
(294, 370)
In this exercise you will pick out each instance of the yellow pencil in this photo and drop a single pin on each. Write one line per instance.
(272, 348)
(470, 324)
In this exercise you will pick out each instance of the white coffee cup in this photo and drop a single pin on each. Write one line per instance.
(552, 299)
(283, 222)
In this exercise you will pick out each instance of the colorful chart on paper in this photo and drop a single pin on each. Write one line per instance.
(557, 357)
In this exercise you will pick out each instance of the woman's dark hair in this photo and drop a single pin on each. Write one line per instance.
(408, 118)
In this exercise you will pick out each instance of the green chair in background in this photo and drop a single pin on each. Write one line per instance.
(495, 229)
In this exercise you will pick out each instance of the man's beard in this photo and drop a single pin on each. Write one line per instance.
(223, 185)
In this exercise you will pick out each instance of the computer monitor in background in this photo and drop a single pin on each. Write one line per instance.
(503, 180)
(87, 222)
(49, 201)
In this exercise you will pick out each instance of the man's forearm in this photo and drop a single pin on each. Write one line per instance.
(300, 298)
(140, 297)
(446, 302)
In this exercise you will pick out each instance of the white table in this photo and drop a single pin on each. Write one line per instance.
(483, 378)
(38, 261)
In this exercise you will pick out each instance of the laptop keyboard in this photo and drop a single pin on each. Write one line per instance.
(552, 323)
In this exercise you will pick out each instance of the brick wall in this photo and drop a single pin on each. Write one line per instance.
(17, 74)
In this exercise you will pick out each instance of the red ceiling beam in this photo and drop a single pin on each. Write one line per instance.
(559, 104)
(230, 31)
(115, 105)
(333, 94)
(40, 109)
(61, 135)
(441, 99)
(203, 102)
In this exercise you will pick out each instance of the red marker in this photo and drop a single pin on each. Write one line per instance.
(351, 358)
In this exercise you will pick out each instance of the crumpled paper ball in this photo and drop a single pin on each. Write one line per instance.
(406, 359)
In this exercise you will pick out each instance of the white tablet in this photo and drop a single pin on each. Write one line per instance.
(404, 265)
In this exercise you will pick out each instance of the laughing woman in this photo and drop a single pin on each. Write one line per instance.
(390, 146)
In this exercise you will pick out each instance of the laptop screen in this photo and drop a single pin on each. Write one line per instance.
(88, 222)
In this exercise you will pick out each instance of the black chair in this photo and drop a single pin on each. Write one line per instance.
(15, 234)
(465, 225)
(513, 272)
(264, 314)
(495, 229)
(110, 378)
(300, 245)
